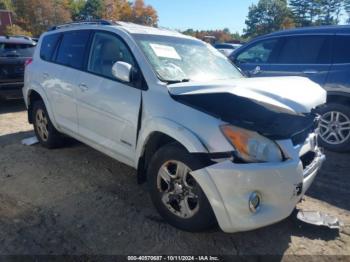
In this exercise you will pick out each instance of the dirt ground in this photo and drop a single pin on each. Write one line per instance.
(76, 200)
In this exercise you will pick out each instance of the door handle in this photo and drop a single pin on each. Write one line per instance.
(256, 70)
(83, 87)
(310, 72)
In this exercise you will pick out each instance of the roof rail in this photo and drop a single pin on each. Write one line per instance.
(22, 36)
(87, 22)
(19, 36)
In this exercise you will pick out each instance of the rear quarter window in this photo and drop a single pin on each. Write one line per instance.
(48, 46)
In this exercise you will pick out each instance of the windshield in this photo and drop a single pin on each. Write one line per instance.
(16, 50)
(179, 60)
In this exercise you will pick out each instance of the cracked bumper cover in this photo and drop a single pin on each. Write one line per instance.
(228, 186)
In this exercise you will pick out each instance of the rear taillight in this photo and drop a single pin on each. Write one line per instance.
(28, 61)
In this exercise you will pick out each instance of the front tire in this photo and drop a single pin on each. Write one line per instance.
(177, 196)
(335, 127)
(46, 133)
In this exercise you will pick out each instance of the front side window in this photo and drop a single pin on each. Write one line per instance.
(305, 50)
(16, 50)
(106, 50)
(72, 48)
(48, 46)
(341, 49)
(178, 59)
(260, 52)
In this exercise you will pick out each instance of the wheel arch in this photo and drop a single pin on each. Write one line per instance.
(338, 97)
(37, 94)
(159, 132)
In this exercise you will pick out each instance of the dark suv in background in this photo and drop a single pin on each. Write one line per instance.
(14, 52)
(319, 53)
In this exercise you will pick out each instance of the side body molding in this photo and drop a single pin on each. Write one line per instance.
(170, 128)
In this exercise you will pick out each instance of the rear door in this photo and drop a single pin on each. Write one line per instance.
(339, 75)
(69, 60)
(304, 55)
(108, 109)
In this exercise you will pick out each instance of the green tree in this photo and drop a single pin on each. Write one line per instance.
(305, 12)
(6, 4)
(298, 8)
(267, 16)
(330, 12)
(347, 9)
(93, 9)
(75, 7)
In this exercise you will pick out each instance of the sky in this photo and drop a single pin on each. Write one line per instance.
(202, 14)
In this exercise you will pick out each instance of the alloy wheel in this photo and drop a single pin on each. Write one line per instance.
(41, 121)
(178, 189)
(334, 127)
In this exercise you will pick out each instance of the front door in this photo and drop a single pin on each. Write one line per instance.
(107, 108)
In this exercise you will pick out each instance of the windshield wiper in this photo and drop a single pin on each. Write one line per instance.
(169, 82)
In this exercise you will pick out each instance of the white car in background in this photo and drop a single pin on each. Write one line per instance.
(214, 146)
(227, 48)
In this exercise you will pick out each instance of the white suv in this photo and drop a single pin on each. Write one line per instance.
(214, 146)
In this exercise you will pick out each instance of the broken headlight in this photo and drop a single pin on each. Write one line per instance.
(250, 146)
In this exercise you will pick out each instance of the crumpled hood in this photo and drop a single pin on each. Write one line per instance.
(278, 108)
(297, 94)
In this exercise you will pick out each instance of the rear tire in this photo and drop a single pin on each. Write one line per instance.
(46, 133)
(335, 127)
(177, 196)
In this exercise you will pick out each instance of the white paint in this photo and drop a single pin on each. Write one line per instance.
(297, 94)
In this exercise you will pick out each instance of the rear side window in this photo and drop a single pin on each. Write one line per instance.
(342, 49)
(260, 52)
(16, 50)
(305, 50)
(48, 46)
(72, 48)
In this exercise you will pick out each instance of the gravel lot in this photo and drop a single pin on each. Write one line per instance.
(76, 200)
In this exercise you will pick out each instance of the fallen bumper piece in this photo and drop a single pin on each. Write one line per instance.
(30, 141)
(319, 219)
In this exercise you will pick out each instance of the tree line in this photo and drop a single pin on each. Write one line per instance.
(272, 15)
(32, 17)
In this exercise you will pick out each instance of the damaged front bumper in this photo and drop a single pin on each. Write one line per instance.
(280, 186)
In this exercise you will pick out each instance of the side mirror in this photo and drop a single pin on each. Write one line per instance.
(122, 71)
